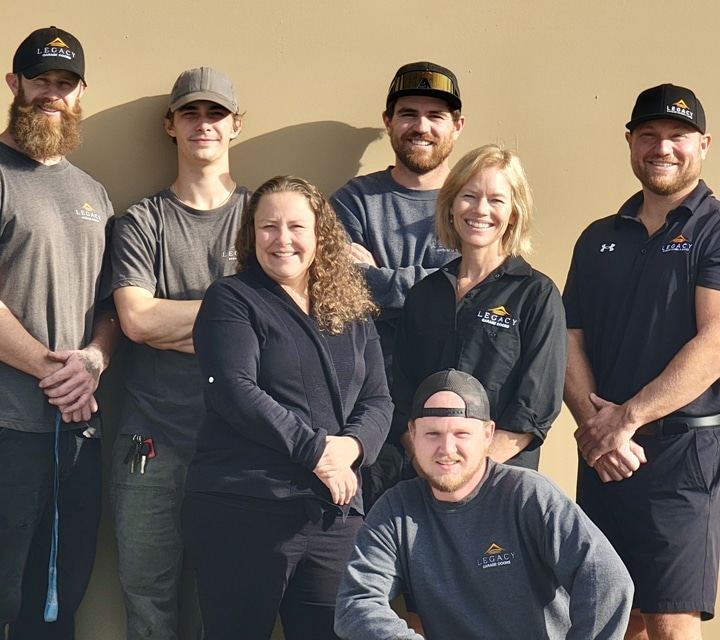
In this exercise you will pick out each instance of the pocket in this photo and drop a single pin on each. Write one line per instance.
(490, 355)
(707, 456)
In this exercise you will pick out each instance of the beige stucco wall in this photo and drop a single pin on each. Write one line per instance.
(555, 80)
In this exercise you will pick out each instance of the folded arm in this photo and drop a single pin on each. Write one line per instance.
(156, 322)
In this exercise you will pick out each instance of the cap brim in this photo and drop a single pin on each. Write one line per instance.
(204, 95)
(44, 67)
(453, 101)
(634, 123)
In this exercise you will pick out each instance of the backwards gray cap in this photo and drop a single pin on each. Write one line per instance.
(203, 83)
(463, 384)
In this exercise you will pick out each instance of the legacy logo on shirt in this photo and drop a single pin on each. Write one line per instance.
(498, 317)
(88, 213)
(496, 556)
(679, 243)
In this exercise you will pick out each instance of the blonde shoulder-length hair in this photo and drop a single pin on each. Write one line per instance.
(338, 292)
(516, 241)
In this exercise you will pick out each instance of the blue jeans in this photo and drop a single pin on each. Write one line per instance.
(146, 510)
(27, 468)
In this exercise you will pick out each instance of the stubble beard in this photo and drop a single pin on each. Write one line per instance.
(40, 136)
(664, 185)
(417, 159)
(448, 484)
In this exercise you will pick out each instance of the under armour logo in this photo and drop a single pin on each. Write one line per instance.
(607, 247)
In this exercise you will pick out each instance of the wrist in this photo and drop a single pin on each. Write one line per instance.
(98, 356)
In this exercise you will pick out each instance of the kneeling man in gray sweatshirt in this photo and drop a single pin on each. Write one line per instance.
(486, 550)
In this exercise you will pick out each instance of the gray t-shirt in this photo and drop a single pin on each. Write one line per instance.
(396, 225)
(516, 559)
(175, 252)
(53, 225)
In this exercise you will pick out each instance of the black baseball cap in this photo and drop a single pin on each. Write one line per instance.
(463, 384)
(425, 79)
(49, 49)
(668, 101)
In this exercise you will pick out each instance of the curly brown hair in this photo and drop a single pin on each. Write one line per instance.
(338, 291)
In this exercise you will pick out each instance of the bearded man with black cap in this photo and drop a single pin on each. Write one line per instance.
(486, 550)
(388, 215)
(55, 341)
(643, 312)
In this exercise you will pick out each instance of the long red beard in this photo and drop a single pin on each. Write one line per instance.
(40, 136)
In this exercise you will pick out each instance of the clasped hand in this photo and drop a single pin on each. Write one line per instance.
(71, 388)
(605, 441)
(335, 467)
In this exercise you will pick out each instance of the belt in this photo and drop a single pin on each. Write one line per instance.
(675, 425)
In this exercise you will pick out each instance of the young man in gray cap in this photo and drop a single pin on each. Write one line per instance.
(388, 215)
(486, 550)
(643, 315)
(166, 251)
(54, 344)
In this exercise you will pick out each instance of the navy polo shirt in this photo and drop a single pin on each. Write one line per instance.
(634, 296)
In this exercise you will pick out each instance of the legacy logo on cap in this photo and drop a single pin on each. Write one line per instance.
(50, 49)
(668, 101)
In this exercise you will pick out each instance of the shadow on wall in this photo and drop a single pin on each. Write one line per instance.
(127, 150)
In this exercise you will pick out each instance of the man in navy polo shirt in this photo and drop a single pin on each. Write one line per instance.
(643, 313)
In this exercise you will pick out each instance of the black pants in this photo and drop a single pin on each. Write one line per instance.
(27, 467)
(258, 557)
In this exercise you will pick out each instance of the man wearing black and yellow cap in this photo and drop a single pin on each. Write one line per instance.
(55, 341)
(166, 250)
(486, 550)
(643, 313)
(388, 215)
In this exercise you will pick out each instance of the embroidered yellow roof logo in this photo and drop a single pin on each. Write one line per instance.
(494, 548)
(681, 104)
(57, 43)
(680, 238)
(87, 207)
(500, 311)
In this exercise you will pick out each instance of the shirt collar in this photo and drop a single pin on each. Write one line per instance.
(690, 205)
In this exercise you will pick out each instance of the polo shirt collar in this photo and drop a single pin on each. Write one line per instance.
(513, 266)
(691, 204)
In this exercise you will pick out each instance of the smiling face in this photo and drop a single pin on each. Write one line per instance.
(667, 155)
(285, 240)
(422, 132)
(451, 451)
(203, 130)
(482, 211)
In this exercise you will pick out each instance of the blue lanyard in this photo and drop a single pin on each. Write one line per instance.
(51, 603)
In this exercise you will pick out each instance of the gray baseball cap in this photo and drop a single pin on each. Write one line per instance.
(469, 389)
(203, 83)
